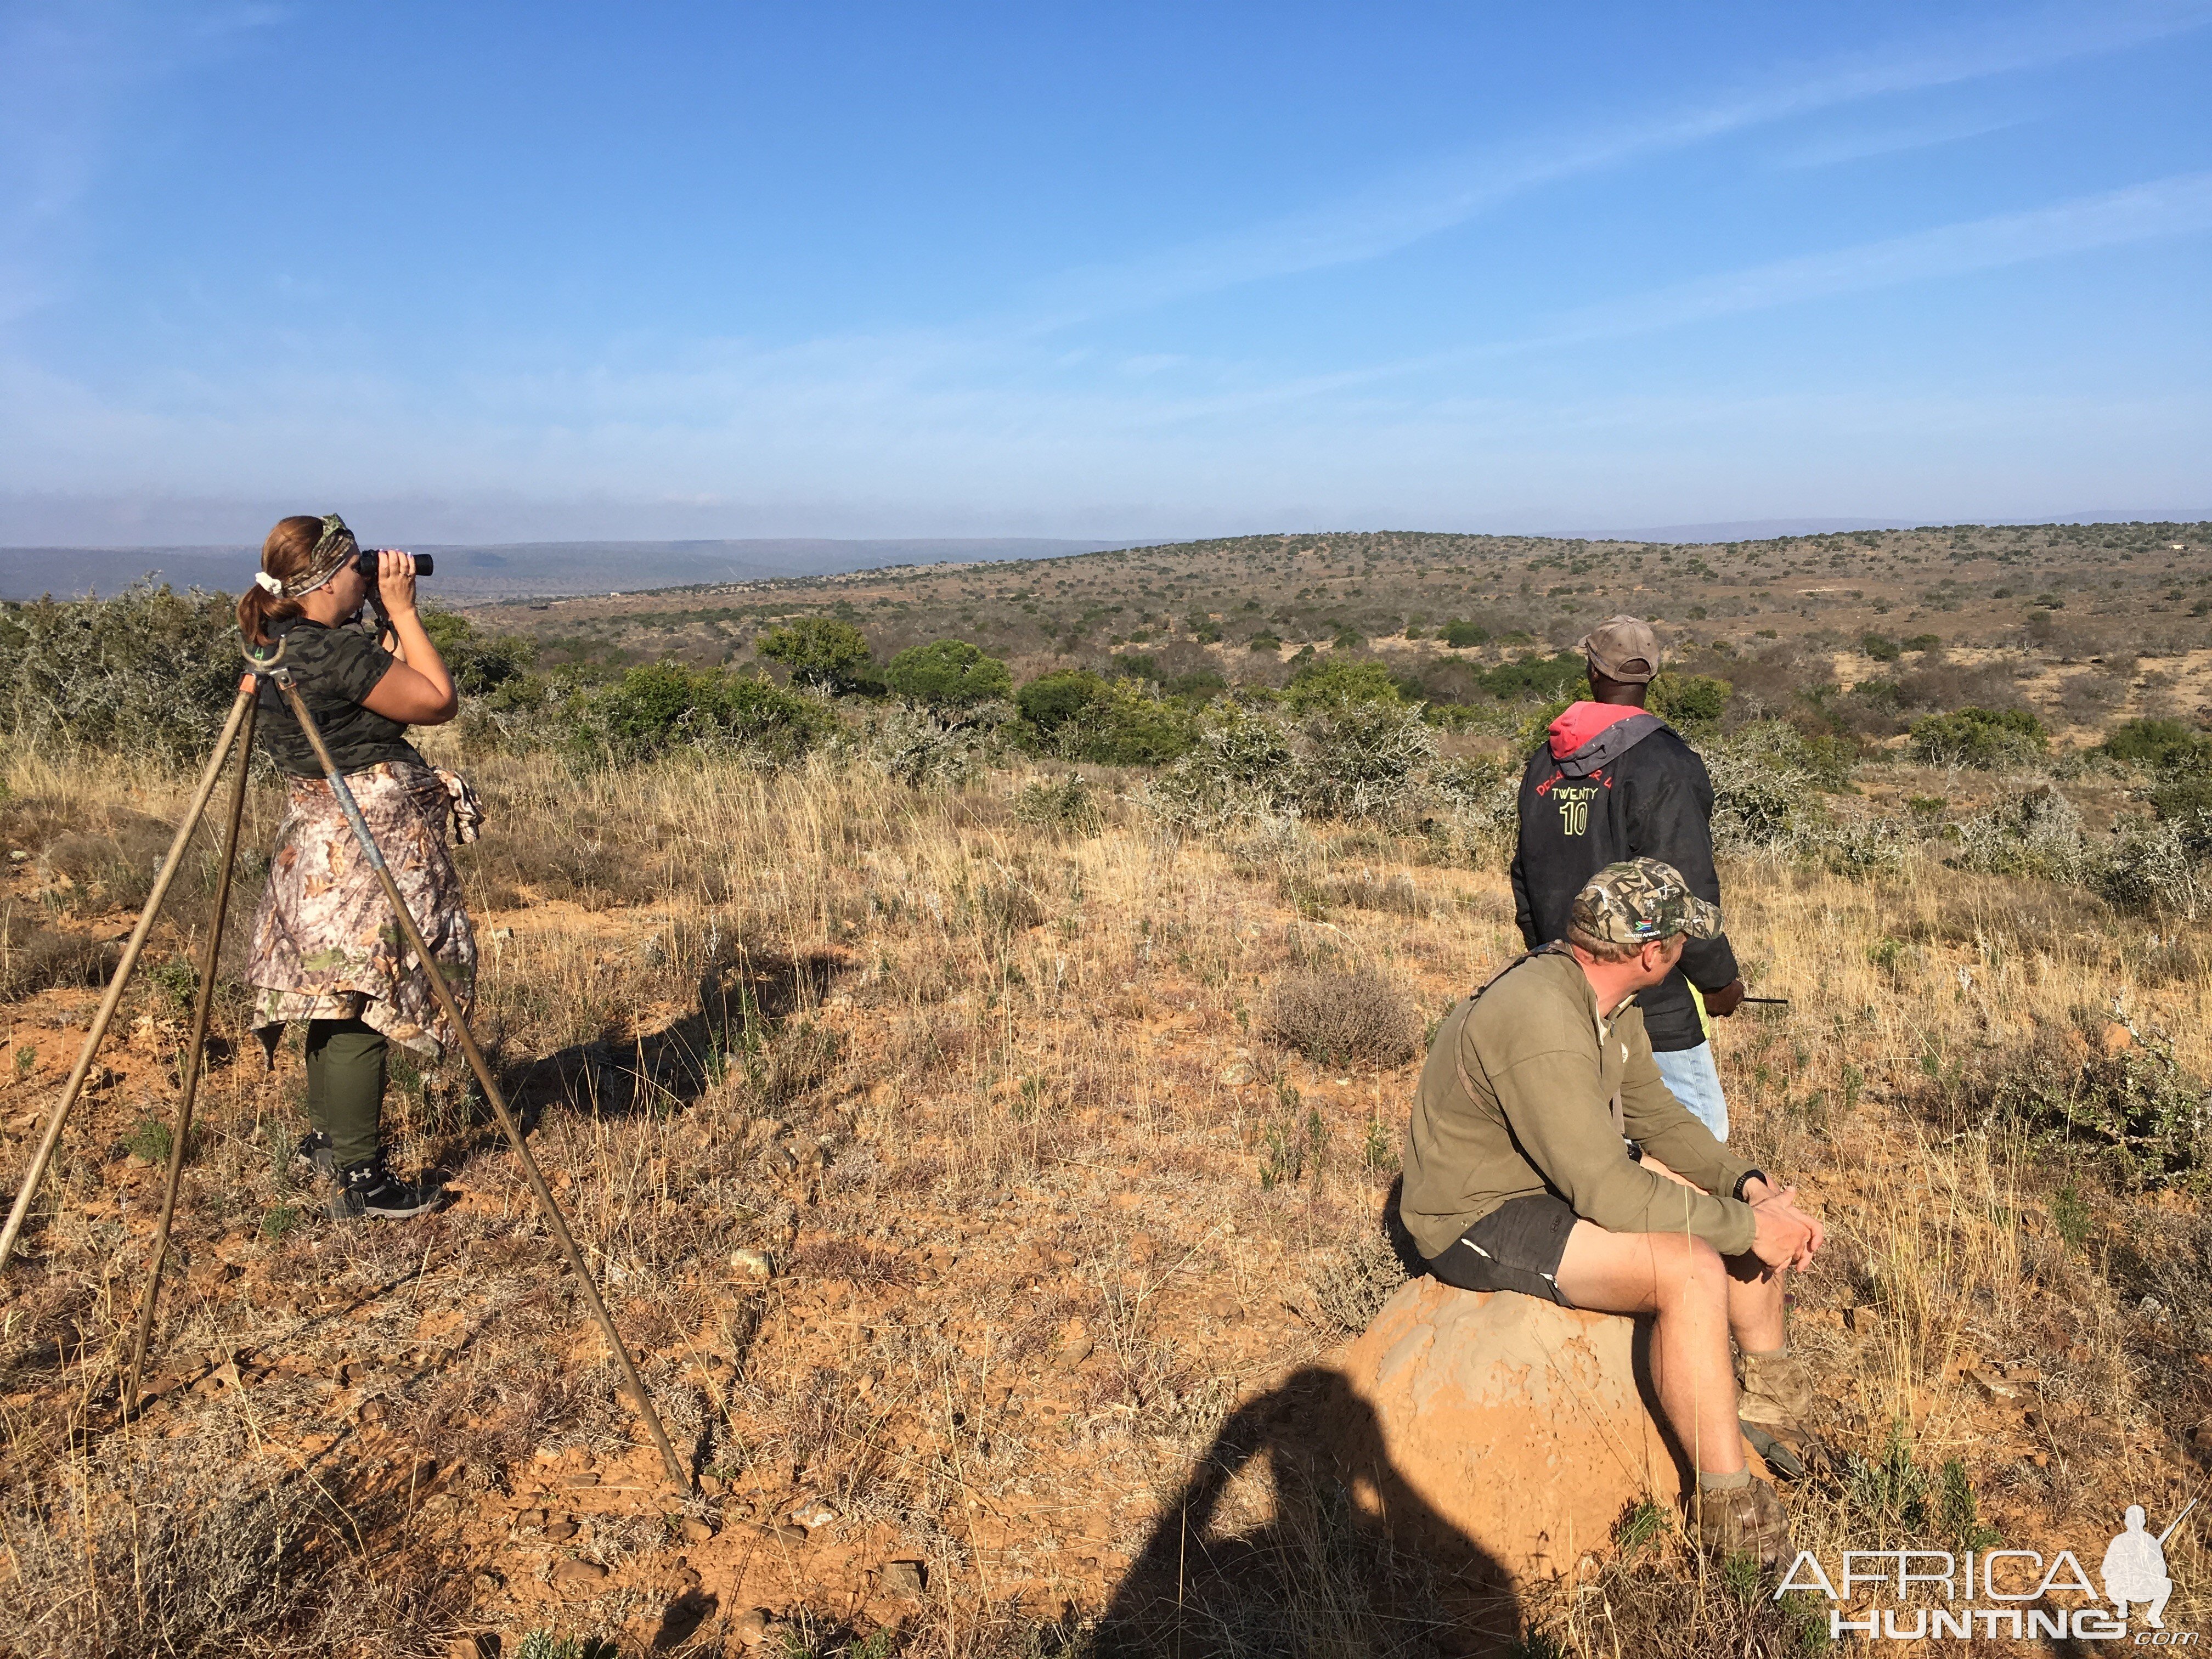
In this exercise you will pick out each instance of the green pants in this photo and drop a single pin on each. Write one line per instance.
(345, 1086)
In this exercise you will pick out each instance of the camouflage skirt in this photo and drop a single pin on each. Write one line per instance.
(325, 942)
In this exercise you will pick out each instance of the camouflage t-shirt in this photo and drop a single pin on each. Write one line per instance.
(335, 668)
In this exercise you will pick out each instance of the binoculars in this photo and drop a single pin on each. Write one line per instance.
(365, 562)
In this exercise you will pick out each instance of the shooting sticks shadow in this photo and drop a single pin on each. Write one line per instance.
(241, 723)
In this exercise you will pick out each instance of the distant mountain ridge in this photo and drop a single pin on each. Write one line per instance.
(530, 569)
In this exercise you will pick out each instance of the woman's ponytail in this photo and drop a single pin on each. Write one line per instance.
(290, 545)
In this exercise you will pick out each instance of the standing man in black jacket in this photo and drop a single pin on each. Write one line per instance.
(1614, 782)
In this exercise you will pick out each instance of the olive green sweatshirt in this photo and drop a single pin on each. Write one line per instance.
(1516, 1099)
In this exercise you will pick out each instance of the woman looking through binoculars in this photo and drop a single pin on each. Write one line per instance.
(327, 949)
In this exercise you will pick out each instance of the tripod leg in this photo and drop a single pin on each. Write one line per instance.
(47, 1142)
(210, 959)
(547, 1208)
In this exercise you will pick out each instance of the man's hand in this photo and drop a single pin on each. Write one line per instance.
(1785, 1236)
(1725, 1001)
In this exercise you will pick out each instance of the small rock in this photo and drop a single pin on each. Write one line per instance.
(468, 1647)
(751, 1628)
(562, 1531)
(16, 855)
(372, 1411)
(904, 1577)
(2116, 1038)
(1995, 1389)
(695, 1531)
(752, 1264)
(1864, 1320)
(813, 1513)
(502, 933)
(578, 1572)
(1224, 1307)
(490, 1583)
(1075, 1345)
(2151, 1307)
(1236, 1076)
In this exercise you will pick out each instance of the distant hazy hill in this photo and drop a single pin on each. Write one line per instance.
(526, 569)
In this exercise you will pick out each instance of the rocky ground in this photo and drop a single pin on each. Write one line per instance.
(970, 1206)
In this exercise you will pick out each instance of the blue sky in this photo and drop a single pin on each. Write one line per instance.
(518, 271)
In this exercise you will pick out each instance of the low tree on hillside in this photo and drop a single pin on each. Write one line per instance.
(947, 675)
(819, 651)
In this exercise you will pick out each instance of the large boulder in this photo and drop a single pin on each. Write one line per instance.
(1501, 1425)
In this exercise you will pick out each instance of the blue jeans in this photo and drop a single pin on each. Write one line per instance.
(1692, 1078)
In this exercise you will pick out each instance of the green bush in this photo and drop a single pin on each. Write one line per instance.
(1921, 642)
(1985, 739)
(2157, 743)
(1460, 635)
(1079, 716)
(1688, 699)
(818, 651)
(150, 670)
(1879, 648)
(1549, 679)
(1336, 682)
(948, 674)
(480, 663)
(1264, 640)
(664, 705)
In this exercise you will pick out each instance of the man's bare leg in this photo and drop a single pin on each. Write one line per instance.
(1754, 1291)
(1682, 1279)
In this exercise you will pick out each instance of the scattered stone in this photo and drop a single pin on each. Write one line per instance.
(577, 1571)
(904, 1577)
(372, 1411)
(813, 1513)
(751, 1628)
(1865, 1320)
(752, 1264)
(562, 1531)
(1236, 1076)
(1996, 1389)
(1075, 1345)
(694, 1530)
(489, 1583)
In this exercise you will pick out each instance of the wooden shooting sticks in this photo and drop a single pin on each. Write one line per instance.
(240, 724)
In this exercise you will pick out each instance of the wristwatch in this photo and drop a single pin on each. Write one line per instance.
(1747, 1177)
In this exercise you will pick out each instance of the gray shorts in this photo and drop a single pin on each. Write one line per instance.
(1516, 1247)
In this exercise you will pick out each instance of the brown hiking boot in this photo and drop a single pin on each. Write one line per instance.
(1749, 1520)
(1773, 1391)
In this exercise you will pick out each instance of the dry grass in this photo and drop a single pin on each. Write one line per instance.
(972, 1082)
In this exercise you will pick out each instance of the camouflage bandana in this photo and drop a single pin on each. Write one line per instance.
(1643, 901)
(334, 549)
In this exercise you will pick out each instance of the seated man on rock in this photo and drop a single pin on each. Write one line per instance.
(1544, 1156)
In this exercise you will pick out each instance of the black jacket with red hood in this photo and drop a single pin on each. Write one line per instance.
(1614, 782)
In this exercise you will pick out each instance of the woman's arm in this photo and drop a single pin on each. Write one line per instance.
(417, 690)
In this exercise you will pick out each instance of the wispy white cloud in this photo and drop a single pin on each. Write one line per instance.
(2164, 207)
(1866, 144)
(1396, 213)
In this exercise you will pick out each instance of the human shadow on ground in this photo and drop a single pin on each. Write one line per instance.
(1349, 1559)
(750, 1016)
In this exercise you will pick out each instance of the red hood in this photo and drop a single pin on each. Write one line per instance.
(1584, 721)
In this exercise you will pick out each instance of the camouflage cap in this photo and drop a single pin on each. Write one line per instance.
(1641, 901)
(1622, 649)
